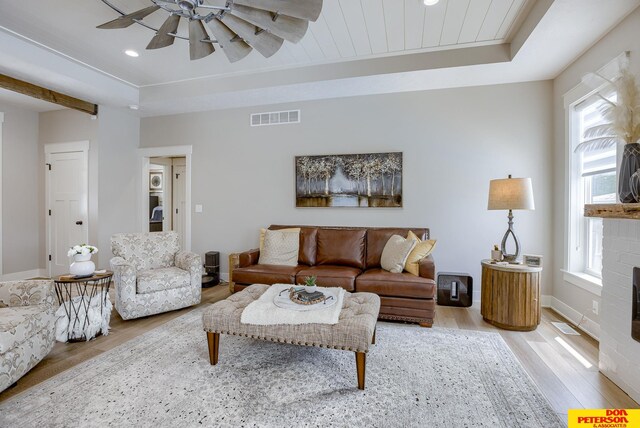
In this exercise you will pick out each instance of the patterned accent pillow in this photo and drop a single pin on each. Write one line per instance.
(395, 253)
(280, 248)
(419, 252)
(263, 230)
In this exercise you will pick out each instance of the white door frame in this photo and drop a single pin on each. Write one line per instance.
(1, 122)
(76, 146)
(143, 193)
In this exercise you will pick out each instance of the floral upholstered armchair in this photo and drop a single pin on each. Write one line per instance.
(27, 327)
(152, 275)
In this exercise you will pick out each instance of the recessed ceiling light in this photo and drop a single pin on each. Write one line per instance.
(134, 107)
(135, 54)
(430, 2)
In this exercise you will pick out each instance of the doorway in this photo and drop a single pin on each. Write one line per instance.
(66, 190)
(166, 191)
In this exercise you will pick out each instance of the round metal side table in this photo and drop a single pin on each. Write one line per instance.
(67, 288)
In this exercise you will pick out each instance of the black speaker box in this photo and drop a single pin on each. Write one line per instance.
(211, 274)
(455, 289)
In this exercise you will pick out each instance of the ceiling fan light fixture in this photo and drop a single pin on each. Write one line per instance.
(188, 5)
(238, 26)
(430, 2)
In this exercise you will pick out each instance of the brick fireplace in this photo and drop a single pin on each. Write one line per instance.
(619, 351)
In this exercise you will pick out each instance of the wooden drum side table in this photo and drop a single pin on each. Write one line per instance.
(511, 296)
(77, 311)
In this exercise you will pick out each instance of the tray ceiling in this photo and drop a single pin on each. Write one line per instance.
(347, 30)
(356, 48)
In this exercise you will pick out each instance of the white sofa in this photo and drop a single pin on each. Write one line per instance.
(152, 275)
(27, 326)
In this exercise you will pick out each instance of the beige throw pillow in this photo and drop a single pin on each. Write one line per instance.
(263, 230)
(280, 248)
(419, 252)
(395, 253)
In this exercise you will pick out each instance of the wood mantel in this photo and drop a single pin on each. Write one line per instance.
(623, 211)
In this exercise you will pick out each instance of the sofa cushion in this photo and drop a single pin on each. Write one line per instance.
(308, 243)
(419, 252)
(330, 276)
(19, 323)
(152, 280)
(266, 274)
(280, 247)
(389, 284)
(377, 238)
(341, 247)
(395, 253)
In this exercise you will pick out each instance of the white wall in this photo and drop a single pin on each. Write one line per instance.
(21, 205)
(113, 138)
(622, 38)
(618, 350)
(454, 141)
(119, 134)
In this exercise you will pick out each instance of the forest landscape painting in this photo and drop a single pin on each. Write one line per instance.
(361, 180)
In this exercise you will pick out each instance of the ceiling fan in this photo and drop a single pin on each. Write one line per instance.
(238, 27)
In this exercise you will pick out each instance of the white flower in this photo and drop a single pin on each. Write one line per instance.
(83, 249)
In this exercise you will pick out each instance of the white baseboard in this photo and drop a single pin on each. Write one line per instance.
(16, 276)
(224, 277)
(545, 301)
(584, 323)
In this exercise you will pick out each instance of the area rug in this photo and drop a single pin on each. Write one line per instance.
(415, 377)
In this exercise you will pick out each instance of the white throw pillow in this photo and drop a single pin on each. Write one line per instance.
(280, 247)
(395, 253)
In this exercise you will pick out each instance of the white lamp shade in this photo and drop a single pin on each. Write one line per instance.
(511, 194)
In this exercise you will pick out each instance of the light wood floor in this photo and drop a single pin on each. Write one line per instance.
(561, 377)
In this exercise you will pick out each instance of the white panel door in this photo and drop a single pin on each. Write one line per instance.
(179, 202)
(67, 200)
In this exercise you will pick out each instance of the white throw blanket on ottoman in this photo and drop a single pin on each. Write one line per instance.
(97, 321)
(264, 312)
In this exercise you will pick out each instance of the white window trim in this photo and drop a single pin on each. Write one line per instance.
(587, 282)
(572, 98)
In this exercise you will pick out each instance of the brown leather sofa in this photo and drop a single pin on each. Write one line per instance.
(348, 257)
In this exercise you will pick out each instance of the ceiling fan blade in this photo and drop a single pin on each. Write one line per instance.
(303, 9)
(197, 33)
(232, 45)
(264, 42)
(287, 27)
(164, 38)
(126, 20)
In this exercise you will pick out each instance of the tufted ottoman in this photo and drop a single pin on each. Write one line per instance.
(354, 331)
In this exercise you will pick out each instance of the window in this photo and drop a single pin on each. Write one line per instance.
(593, 182)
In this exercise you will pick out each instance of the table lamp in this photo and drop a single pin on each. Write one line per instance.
(510, 194)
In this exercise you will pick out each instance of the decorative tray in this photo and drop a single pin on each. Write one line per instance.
(296, 298)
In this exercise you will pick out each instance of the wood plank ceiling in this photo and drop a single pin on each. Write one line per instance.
(346, 30)
(355, 28)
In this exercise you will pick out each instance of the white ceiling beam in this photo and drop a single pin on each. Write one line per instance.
(491, 54)
(535, 15)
